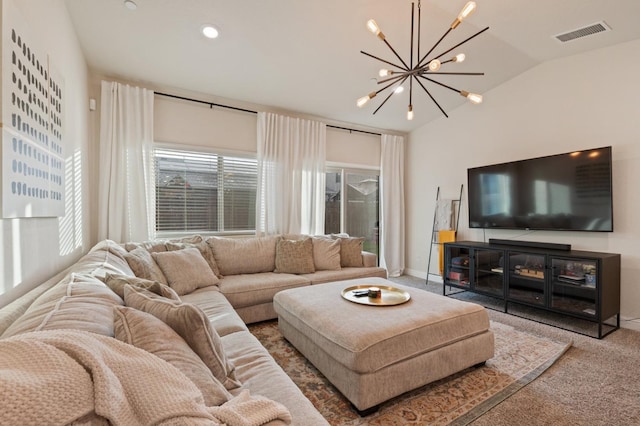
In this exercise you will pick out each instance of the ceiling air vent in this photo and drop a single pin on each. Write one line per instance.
(596, 28)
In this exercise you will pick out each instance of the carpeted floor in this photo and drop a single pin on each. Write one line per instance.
(595, 382)
(458, 399)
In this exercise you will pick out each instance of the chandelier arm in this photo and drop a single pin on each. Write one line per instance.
(432, 98)
(394, 79)
(389, 96)
(461, 43)
(395, 53)
(411, 50)
(455, 73)
(418, 52)
(441, 84)
(382, 60)
(432, 48)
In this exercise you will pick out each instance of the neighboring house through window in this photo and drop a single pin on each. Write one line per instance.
(204, 192)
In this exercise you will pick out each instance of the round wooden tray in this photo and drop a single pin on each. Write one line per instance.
(390, 295)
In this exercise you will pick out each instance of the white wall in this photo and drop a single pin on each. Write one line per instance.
(585, 101)
(189, 123)
(35, 249)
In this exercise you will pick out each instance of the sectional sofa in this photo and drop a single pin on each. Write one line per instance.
(155, 332)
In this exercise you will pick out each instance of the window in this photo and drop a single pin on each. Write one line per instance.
(201, 192)
(352, 205)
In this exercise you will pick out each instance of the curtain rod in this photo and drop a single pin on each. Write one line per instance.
(212, 104)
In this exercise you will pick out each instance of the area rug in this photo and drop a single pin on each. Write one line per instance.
(456, 400)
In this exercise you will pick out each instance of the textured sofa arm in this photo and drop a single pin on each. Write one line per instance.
(369, 259)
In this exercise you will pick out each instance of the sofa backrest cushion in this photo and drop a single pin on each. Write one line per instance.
(244, 255)
(147, 332)
(294, 256)
(192, 324)
(80, 302)
(185, 270)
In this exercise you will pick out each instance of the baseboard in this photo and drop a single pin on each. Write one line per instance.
(422, 274)
(631, 324)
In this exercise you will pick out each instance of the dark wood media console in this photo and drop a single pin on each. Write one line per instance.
(582, 285)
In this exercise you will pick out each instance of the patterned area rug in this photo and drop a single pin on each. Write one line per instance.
(458, 399)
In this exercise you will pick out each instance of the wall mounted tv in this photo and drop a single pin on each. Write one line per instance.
(564, 192)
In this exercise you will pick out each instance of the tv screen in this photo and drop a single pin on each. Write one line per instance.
(564, 192)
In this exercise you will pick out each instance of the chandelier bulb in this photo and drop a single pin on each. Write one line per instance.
(467, 10)
(363, 100)
(474, 98)
(434, 65)
(374, 28)
(385, 72)
(410, 113)
(464, 13)
(460, 57)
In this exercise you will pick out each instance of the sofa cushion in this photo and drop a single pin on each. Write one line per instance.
(105, 257)
(143, 265)
(80, 302)
(205, 251)
(147, 332)
(185, 270)
(326, 253)
(294, 256)
(222, 317)
(254, 289)
(351, 251)
(117, 282)
(192, 325)
(244, 255)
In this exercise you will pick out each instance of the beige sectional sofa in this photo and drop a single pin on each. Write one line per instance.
(172, 306)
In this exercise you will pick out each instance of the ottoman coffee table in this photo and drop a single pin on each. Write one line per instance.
(372, 353)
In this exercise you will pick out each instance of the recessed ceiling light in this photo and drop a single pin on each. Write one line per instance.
(130, 4)
(210, 31)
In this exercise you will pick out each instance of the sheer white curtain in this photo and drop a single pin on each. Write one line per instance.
(126, 206)
(392, 202)
(291, 175)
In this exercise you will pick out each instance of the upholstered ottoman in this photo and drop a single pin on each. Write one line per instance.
(373, 353)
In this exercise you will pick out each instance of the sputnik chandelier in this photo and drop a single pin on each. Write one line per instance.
(425, 66)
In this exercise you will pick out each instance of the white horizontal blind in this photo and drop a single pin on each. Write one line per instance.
(201, 192)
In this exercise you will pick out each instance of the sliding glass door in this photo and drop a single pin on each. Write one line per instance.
(352, 204)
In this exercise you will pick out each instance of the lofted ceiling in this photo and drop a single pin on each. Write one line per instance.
(304, 55)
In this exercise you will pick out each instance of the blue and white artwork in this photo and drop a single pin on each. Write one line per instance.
(33, 165)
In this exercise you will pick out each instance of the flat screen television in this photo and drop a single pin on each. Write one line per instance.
(564, 192)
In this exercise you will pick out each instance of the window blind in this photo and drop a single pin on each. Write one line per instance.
(201, 192)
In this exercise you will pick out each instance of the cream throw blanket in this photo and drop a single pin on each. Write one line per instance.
(67, 376)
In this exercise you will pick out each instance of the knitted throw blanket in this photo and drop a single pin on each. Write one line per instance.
(64, 376)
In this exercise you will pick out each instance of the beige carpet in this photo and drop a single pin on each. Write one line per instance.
(459, 399)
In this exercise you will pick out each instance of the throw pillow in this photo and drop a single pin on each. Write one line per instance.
(350, 251)
(294, 256)
(205, 251)
(143, 265)
(185, 270)
(192, 325)
(147, 332)
(117, 282)
(326, 254)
